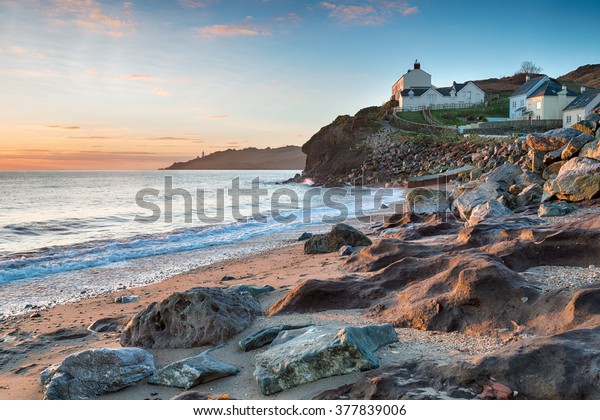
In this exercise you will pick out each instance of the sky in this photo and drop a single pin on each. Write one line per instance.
(100, 84)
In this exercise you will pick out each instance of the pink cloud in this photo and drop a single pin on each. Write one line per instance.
(410, 11)
(89, 14)
(233, 30)
(138, 77)
(161, 92)
(192, 4)
(374, 12)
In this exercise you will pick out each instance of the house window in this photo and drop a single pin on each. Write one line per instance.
(522, 102)
(431, 98)
(579, 117)
(468, 95)
(538, 105)
(529, 105)
(514, 104)
(568, 119)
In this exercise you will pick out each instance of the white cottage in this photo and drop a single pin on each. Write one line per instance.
(414, 92)
(540, 98)
(581, 107)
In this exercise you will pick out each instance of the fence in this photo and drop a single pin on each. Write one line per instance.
(521, 124)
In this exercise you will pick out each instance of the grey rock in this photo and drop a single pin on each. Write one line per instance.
(529, 177)
(253, 290)
(197, 317)
(591, 150)
(346, 250)
(577, 180)
(574, 146)
(478, 195)
(551, 172)
(265, 336)
(427, 201)
(227, 278)
(95, 372)
(530, 195)
(340, 235)
(505, 176)
(110, 324)
(554, 156)
(305, 356)
(126, 299)
(193, 371)
(556, 209)
(488, 210)
(305, 236)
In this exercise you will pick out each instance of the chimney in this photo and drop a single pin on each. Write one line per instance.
(417, 65)
(527, 78)
(582, 89)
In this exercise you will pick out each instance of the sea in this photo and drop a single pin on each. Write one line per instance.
(70, 235)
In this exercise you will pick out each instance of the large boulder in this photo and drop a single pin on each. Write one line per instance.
(91, 373)
(198, 317)
(505, 176)
(591, 150)
(530, 195)
(487, 210)
(303, 356)
(556, 209)
(193, 371)
(265, 336)
(340, 235)
(478, 195)
(577, 180)
(427, 201)
(550, 142)
(574, 146)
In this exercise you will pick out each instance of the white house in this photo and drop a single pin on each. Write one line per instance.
(581, 107)
(414, 92)
(541, 98)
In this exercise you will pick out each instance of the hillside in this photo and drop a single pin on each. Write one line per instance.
(288, 157)
(588, 75)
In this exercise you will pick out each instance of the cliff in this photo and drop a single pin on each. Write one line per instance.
(337, 149)
(288, 157)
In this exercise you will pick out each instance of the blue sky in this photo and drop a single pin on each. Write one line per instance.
(139, 84)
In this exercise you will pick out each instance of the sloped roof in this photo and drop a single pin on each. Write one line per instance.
(445, 91)
(550, 88)
(417, 91)
(527, 86)
(583, 100)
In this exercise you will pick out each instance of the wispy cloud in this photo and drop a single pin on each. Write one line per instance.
(161, 92)
(138, 77)
(214, 117)
(128, 5)
(194, 4)
(372, 12)
(290, 17)
(244, 29)
(65, 127)
(91, 15)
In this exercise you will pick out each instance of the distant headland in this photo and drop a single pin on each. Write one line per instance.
(288, 157)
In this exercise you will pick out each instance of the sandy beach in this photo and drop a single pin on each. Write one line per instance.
(31, 344)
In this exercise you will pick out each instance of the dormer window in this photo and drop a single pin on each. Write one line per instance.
(411, 94)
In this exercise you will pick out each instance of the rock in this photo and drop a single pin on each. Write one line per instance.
(265, 336)
(346, 250)
(126, 299)
(536, 161)
(340, 235)
(227, 278)
(486, 210)
(471, 199)
(545, 144)
(427, 201)
(530, 195)
(197, 317)
(577, 180)
(516, 189)
(198, 396)
(95, 372)
(35, 315)
(551, 172)
(553, 156)
(110, 324)
(574, 146)
(588, 126)
(383, 207)
(529, 177)
(556, 209)
(193, 371)
(305, 236)
(493, 390)
(505, 176)
(253, 290)
(591, 150)
(319, 352)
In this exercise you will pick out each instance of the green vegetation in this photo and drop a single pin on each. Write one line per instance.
(416, 116)
(465, 116)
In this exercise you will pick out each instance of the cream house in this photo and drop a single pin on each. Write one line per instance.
(541, 98)
(414, 92)
(581, 107)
